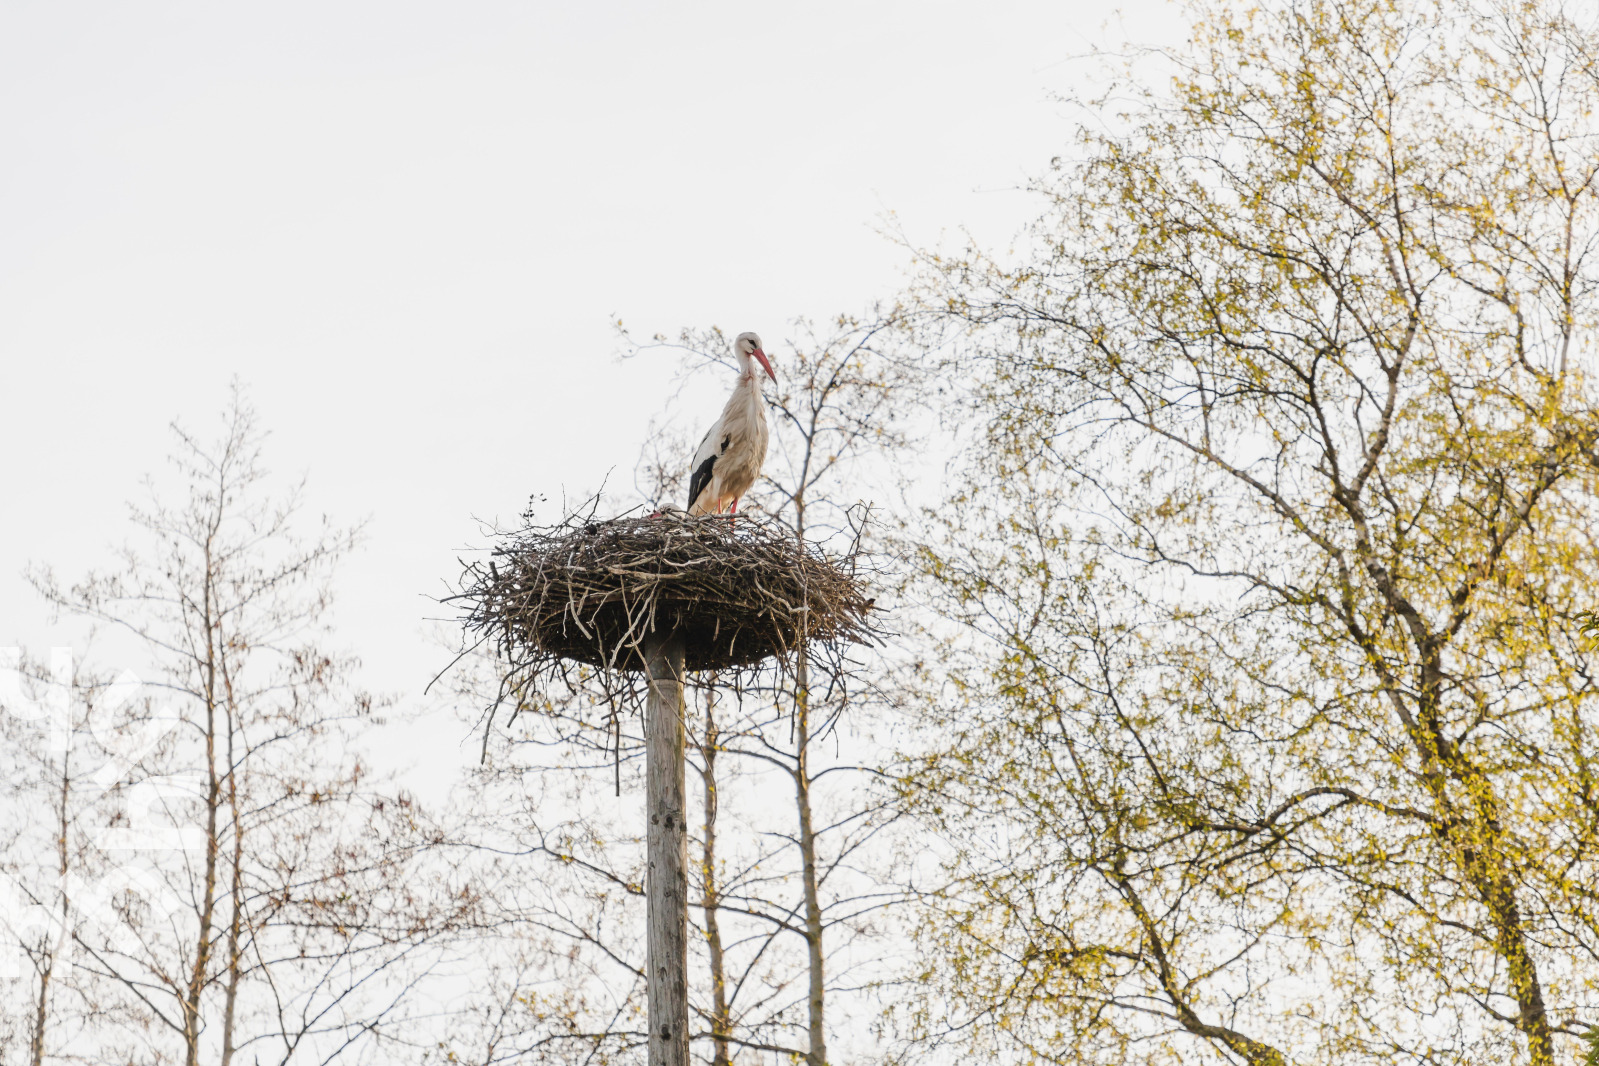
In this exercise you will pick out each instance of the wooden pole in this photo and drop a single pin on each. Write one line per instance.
(666, 883)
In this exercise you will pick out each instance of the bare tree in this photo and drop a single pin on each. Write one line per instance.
(784, 890)
(267, 897)
(843, 398)
(52, 802)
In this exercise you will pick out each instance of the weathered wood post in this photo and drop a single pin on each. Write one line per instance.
(666, 852)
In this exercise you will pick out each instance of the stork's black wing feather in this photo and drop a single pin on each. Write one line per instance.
(700, 479)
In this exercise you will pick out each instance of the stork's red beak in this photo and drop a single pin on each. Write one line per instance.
(760, 355)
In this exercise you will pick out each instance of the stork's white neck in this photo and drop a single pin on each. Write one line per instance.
(749, 373)
(744, 404)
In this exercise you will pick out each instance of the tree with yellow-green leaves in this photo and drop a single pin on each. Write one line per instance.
(1276, 738)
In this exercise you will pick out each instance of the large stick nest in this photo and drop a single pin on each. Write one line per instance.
(738, 592)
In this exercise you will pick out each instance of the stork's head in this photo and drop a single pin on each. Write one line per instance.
(747, 347)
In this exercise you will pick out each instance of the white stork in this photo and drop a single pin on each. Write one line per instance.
(729, 458)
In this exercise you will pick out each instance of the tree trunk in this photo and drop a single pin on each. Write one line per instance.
(206, 904)
(721, 1025)
(666, 886)
(816, 993)
(63, 826)
(235, 887)
(817, 1055)
(208, 665)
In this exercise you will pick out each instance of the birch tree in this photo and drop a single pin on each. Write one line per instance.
(1275, 739)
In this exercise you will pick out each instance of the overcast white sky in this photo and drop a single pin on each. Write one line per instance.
(408, 226)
